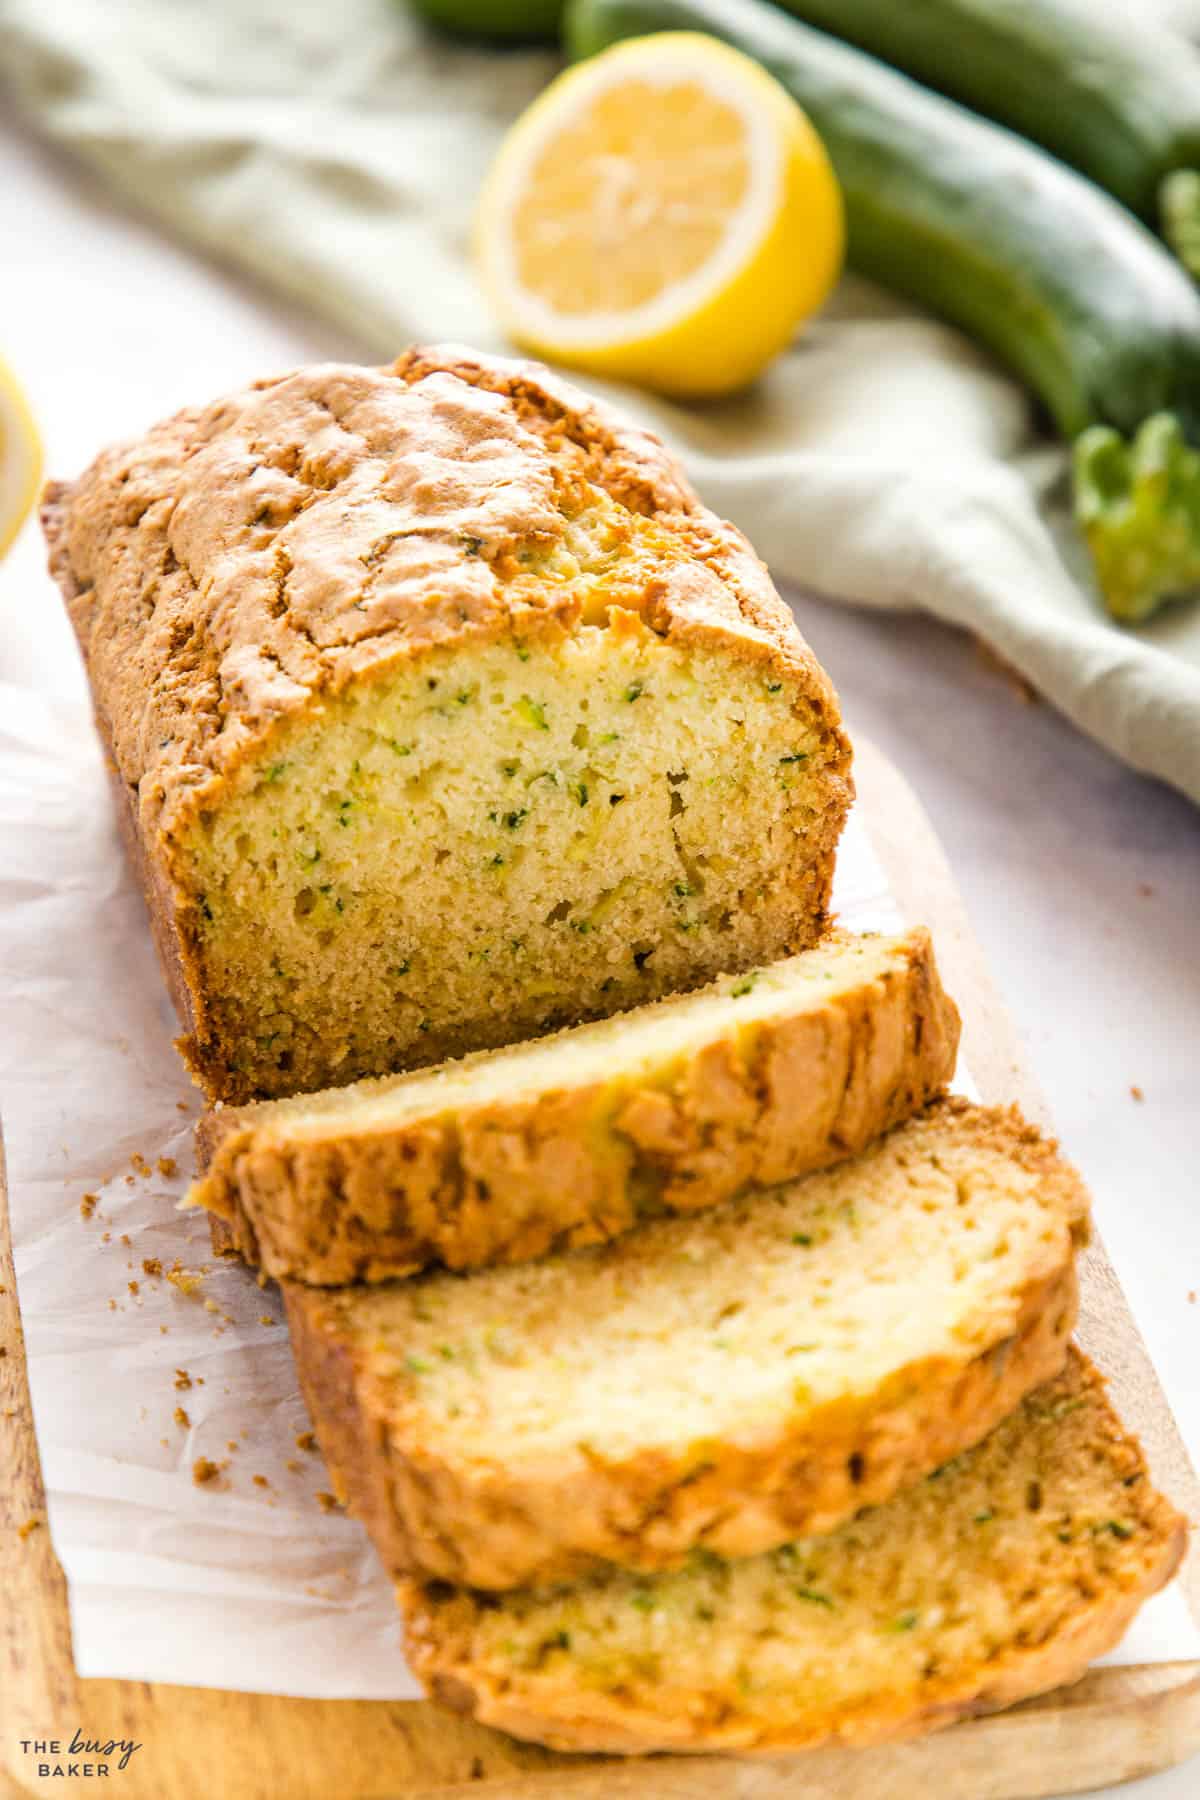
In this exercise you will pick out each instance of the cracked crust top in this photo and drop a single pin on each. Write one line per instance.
(242, 558)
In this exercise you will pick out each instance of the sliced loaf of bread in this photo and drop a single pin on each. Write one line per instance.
(570, 1139)
(999, 1577)
(729, 1380)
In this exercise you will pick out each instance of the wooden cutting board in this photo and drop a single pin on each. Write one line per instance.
(199, 1744)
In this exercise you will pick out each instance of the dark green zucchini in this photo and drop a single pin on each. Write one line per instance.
(1118, 99)
(496, 21)
(1056, 278)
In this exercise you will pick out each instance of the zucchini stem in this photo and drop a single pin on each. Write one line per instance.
(1138, 506)
(1179, 212)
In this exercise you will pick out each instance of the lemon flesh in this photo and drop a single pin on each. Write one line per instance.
(663, 214)
(20, 458)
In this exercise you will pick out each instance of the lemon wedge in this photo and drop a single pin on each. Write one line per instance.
(663, 213)
(20, 457)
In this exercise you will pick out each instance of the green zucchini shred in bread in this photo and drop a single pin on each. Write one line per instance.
(725, 1381)
(999, 1577)
(571, 1139)
(445, 715)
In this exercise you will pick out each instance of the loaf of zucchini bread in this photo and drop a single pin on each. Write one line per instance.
(726, 1381)
(1002, 1575)
(571, 1139)
(444, 715)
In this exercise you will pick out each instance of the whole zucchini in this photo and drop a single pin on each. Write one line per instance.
(1056, 278)
(1118, 99)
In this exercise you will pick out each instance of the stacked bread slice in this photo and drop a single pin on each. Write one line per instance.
(998, 1577)
(707, 1381)
(570, 1139)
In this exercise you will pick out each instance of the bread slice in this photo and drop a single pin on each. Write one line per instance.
(444, 715)
(729, 1380)
(568, 1140)
(1000, 1576)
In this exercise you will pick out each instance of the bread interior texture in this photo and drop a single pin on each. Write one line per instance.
(489, 841)
(1000, 1574)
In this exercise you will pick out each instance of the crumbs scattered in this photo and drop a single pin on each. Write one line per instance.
(167, 1166)
(260, 1481)
(126, 1240)
(306, 1441)
(186, 1280)
(106, 1238)
(151, 1266)
(1191, 1296)
(164, 1329)
(292, 1465)
(182, 1379)
(134, 1287)
(266, 1319)
(204, 1471)
(129, 1180)
(232, 1444)
(181, 1418)
(88, 1205)
(29, 1527)
(140, 1166)
(1136, 1091)
(182, 1106)
(326, 1502)
(112, 1306)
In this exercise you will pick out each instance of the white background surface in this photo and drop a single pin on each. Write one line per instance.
(1082, 879)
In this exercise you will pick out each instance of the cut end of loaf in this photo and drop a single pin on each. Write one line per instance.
(492, 842)
(999, 1577)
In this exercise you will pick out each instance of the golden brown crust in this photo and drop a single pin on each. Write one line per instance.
(498, 1524)
(243, 561)
(506, 1181)
(1105, 1583)
(427, 1516)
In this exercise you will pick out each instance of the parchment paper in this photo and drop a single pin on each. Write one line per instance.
(245, 1581)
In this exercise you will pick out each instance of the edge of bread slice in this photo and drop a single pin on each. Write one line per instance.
(728, 1381)
(566, 1141)
(1001, 1576)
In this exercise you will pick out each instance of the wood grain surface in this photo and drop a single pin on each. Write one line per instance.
(200, 1744)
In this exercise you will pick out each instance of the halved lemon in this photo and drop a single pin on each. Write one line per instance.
(20, 457)
(663, 213)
